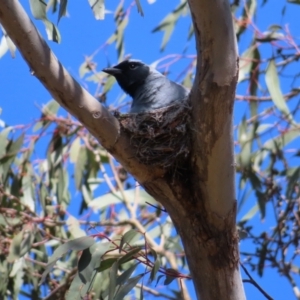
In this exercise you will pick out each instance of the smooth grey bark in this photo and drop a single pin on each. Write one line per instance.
(203, 205)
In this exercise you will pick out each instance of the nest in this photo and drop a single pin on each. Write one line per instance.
(160, 137)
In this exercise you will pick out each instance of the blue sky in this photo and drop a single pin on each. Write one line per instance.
(22, 95)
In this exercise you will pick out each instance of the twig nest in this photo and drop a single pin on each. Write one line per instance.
(160, 137)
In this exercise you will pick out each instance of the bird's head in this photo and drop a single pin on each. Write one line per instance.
(130, 74)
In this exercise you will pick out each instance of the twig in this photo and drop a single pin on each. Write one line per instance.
(162, 209)
(155, 292)
(251, 280)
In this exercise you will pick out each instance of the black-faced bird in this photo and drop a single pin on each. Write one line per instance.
(148, 88)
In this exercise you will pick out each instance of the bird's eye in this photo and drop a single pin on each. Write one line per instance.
(132, 66)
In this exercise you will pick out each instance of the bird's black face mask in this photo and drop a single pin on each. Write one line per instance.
(129, 74)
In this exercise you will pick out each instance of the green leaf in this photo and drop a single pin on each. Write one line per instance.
(3, 140)
(74, 150)
(96, 77)
(15, 247)
(245, 139)
(191, 31)
(279, 142)
(294, 1)
(113, 273)
(86, 194)
(254, 80)
(139, 7)
(188, 80)
(18, 277)
(250, 214)
(293, 181)
(129, 255)
(106, 264)
(170, 278)
(111, 40)
(90, 260)
(3, 46)
(120, 36)
(116, 198)
(62, 186)
(21, 243)
(109, 84)
(282, 140)
(84, 69)
(38, 9)
(275, 27)
(104, 201)
(127, 237)
(15, 147)
(54, 4)
(249, 12)
(255, 180)
(28, 192)
(246, 63)
(155, 269)
(270, 36)
(76, 288)
(251, 8)
(168, 24)
(242, 234)
(262, 258)
(7, 44)
(249, 63)
(49, 109)
(62, 9)
(159, 278)
(74, 227)
(52, 31)
(75, 245)
(273, 85)
(80, 166)
(263, 127)
(28, 238)
(126, 275)
(141, 292)
(125, 289)
(246, 193)
(261, 199)
(98, 8)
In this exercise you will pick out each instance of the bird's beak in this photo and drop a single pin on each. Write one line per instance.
(112, 71)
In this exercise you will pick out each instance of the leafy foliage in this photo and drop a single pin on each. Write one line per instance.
(35, 195)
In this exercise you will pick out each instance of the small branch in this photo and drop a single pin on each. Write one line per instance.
(155, 292)
(53, 292)
(184, 291)
(156, 207)
(251, 280)
(267, 98)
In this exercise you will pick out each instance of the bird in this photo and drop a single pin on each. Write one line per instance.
(148, 88)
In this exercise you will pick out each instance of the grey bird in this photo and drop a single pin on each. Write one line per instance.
(148, 88)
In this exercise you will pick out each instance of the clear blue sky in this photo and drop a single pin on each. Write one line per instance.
(22, 94)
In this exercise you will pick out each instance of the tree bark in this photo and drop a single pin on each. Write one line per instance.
(201, 202)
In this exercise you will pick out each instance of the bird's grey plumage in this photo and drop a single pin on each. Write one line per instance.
(148, 88)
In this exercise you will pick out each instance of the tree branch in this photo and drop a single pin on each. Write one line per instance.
(212, 100)
(67, 91)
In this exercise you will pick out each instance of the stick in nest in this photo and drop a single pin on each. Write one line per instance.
(160, 137)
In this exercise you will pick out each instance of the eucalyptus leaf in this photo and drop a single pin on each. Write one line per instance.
(98, 7)
(273, 85)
